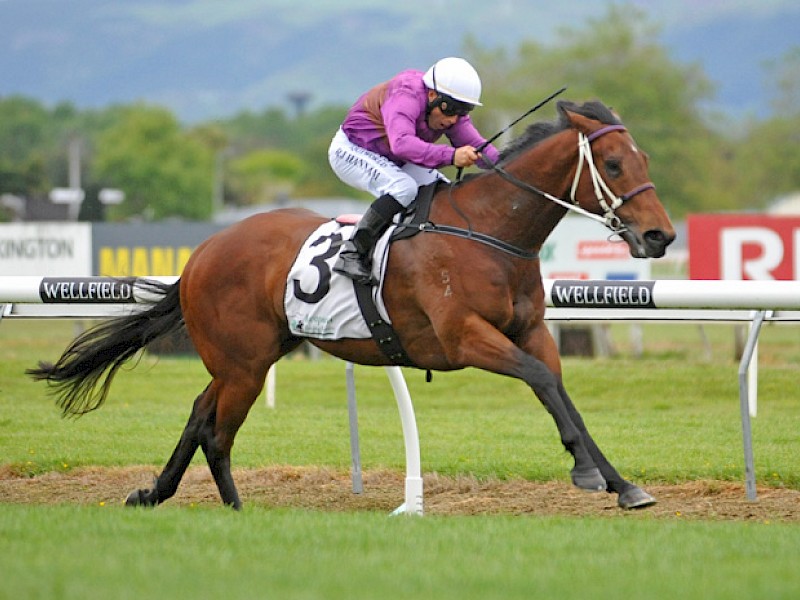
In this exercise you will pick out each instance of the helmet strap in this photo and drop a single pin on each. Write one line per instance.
(436, 102)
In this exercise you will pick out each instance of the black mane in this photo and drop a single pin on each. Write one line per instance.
(539, 131)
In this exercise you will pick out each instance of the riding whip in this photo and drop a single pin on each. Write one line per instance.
(510, 125)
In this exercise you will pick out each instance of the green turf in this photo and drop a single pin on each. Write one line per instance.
(91, 552)
(671, 416)
(658, 419)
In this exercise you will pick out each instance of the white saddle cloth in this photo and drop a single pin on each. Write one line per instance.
(320, 303)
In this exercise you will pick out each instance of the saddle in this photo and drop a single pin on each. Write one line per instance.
(415, 218)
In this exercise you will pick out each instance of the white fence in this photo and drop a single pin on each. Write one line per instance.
(753, 302)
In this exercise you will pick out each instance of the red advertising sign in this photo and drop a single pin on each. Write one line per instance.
(738, 247)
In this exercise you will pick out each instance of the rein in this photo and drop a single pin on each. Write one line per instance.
(421, 223)
(602, 192)
(479, 237)
(601, 189)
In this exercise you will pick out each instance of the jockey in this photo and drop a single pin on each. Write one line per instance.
(385, 146)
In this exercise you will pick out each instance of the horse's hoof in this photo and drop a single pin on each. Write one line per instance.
(588, 479)
(141, 498)
(635, 498)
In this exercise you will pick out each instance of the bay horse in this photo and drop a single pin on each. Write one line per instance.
(455, 301)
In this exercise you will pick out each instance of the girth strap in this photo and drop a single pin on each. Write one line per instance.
(382, 332)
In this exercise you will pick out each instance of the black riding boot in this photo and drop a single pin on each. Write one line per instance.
(355, 259)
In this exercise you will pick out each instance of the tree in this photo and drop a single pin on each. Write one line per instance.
(23, 139)
(263, 176)
(163, 171)
(766, 159)
(786, 83)
(698, 161)
(618, 60)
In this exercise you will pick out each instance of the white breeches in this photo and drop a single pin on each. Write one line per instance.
(368, 171)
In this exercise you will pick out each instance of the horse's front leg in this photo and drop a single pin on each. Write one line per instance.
(586, 473)
(485, 347)
(629, 494)
(541, 344)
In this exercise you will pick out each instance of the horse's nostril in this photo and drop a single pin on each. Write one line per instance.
(657, 237)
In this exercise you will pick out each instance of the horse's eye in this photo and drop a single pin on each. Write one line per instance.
(613, 168)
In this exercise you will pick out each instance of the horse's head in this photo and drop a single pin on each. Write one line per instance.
(612, 180)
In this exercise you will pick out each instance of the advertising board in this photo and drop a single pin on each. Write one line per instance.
(581, 249)
(577, 249)
(46, 248)
(142, 249)
(739, 247)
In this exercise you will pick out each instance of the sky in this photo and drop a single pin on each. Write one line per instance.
(204, 57)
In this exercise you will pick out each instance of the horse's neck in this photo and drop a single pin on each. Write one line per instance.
(518, 216)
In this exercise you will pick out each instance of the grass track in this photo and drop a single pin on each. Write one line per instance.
(667, 417)
(71, 552)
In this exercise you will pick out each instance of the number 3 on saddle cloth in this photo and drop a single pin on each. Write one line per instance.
(323, 304)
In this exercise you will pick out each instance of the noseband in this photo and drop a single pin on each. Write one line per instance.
(607, 200)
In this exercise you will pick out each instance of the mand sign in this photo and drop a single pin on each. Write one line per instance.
(739, 247)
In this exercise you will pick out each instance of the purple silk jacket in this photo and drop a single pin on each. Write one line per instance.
(390, 120)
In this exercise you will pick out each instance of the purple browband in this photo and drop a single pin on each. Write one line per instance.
(604, 130)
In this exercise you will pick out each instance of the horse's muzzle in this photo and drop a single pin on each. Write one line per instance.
(652, 244)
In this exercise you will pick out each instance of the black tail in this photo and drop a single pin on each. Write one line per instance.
(95, 356)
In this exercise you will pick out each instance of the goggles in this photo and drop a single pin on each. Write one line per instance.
(451, 107)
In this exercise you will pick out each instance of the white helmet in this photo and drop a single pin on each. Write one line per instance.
(456, 78)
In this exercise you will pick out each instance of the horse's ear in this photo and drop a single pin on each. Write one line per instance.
(579, 122)
(563, 107)
(570, 114)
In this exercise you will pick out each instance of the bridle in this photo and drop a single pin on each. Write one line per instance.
(607, 200)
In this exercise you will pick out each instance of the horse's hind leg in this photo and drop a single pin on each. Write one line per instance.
(217, 415)
(232, 397)
(166, 484)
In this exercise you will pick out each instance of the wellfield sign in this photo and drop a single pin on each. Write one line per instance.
(739, 247)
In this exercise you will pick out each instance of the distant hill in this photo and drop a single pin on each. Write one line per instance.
(207, 59)
(735, 51)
